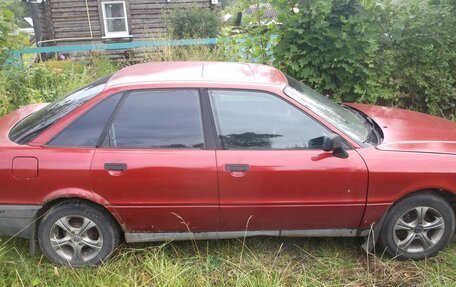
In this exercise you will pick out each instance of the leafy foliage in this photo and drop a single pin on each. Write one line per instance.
(195, 23)
(45, 82)
(388, 52)
(329, 44)
(254, 42)
(399, 53)
(8, 40)
(20, 9)
(417, 56)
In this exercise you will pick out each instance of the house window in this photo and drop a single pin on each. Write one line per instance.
(115, 19)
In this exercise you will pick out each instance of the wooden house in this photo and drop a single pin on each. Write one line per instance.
(76, 22)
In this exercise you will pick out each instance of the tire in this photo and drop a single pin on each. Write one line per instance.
(78, 234)
(418, 227)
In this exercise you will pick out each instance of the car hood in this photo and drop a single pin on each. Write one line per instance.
(406, 130)
(8, 121)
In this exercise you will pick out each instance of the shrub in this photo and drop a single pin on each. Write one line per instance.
(417, 57)
(253, 41)
(9, 40)
(45, 82)
(195, 23)
(398, 53)
(330, 44)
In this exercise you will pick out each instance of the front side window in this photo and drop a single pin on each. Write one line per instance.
(32, 126)
(261, 121)
(337, 115)
(115, 19)
(160, 119)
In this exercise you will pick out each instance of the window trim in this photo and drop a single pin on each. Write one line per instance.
(205, 132)
(108, 34)
(220, 144)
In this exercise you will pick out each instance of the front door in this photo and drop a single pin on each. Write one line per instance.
(153, 166)
(270, 178)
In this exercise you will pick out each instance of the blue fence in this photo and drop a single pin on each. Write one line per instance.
(17, 55)
(243, 51)
(117, 46)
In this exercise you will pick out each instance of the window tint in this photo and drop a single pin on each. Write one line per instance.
(86, 130)
(168, 119)
(32, 126)
(256, 120)
(338, 115)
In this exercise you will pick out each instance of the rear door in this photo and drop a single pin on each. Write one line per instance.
(153, 165)
(271, 176)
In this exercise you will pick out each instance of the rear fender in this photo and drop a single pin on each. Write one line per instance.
(87, 195)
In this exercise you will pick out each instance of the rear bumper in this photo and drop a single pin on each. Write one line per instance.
(17, 220)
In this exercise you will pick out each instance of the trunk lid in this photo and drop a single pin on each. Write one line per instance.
(8, 121)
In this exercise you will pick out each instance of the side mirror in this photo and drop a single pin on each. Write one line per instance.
(333, 143)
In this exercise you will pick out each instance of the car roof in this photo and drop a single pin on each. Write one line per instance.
(198, 72)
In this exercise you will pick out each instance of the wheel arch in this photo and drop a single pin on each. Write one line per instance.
(449, 196)
(373, 235)
(87, 197)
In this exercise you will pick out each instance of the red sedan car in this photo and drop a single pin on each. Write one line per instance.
(198, 150)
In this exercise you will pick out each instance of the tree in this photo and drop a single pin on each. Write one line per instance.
(9, 39)
(329, 44)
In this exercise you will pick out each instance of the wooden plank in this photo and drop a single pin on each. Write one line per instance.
(84, 34)
(80, 28)
(74, 10)
(63, 2)
(72, 22)
(73, 4)
(73, 15)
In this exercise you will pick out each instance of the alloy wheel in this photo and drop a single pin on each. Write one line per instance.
(76, 238)
(418, 229)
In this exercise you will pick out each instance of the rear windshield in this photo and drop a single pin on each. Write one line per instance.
(32, 126)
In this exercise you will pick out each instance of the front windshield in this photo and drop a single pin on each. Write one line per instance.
(335, 114)
(32, 126)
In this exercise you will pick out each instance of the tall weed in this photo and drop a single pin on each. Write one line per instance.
(45, 82)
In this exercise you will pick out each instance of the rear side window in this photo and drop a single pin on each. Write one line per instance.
(160, 119)
(32, 126)
(87, 129)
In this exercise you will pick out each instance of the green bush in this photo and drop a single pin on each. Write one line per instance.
(45, 82)
(398, 53)
(8, 39)
(331, 45)
(417, 56)
(252, 41)
(195, 23)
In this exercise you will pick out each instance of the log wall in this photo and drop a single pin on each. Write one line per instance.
(74, 22)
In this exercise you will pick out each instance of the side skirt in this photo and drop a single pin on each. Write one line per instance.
(178, 236)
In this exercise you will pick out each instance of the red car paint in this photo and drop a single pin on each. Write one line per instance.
(181, 190)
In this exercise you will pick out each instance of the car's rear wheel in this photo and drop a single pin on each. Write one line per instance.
(418, 227)
(78, 234)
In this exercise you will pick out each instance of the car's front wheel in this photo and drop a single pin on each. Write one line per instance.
(418, 227)
(78, 234)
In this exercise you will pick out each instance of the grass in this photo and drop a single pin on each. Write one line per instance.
(260, 261)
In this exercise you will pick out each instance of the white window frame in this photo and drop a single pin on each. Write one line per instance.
(105, 21)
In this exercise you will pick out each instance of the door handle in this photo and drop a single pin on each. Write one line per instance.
(237, 167)
(115, 166)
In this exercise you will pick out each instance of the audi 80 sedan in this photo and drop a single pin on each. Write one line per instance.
(206, 150)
